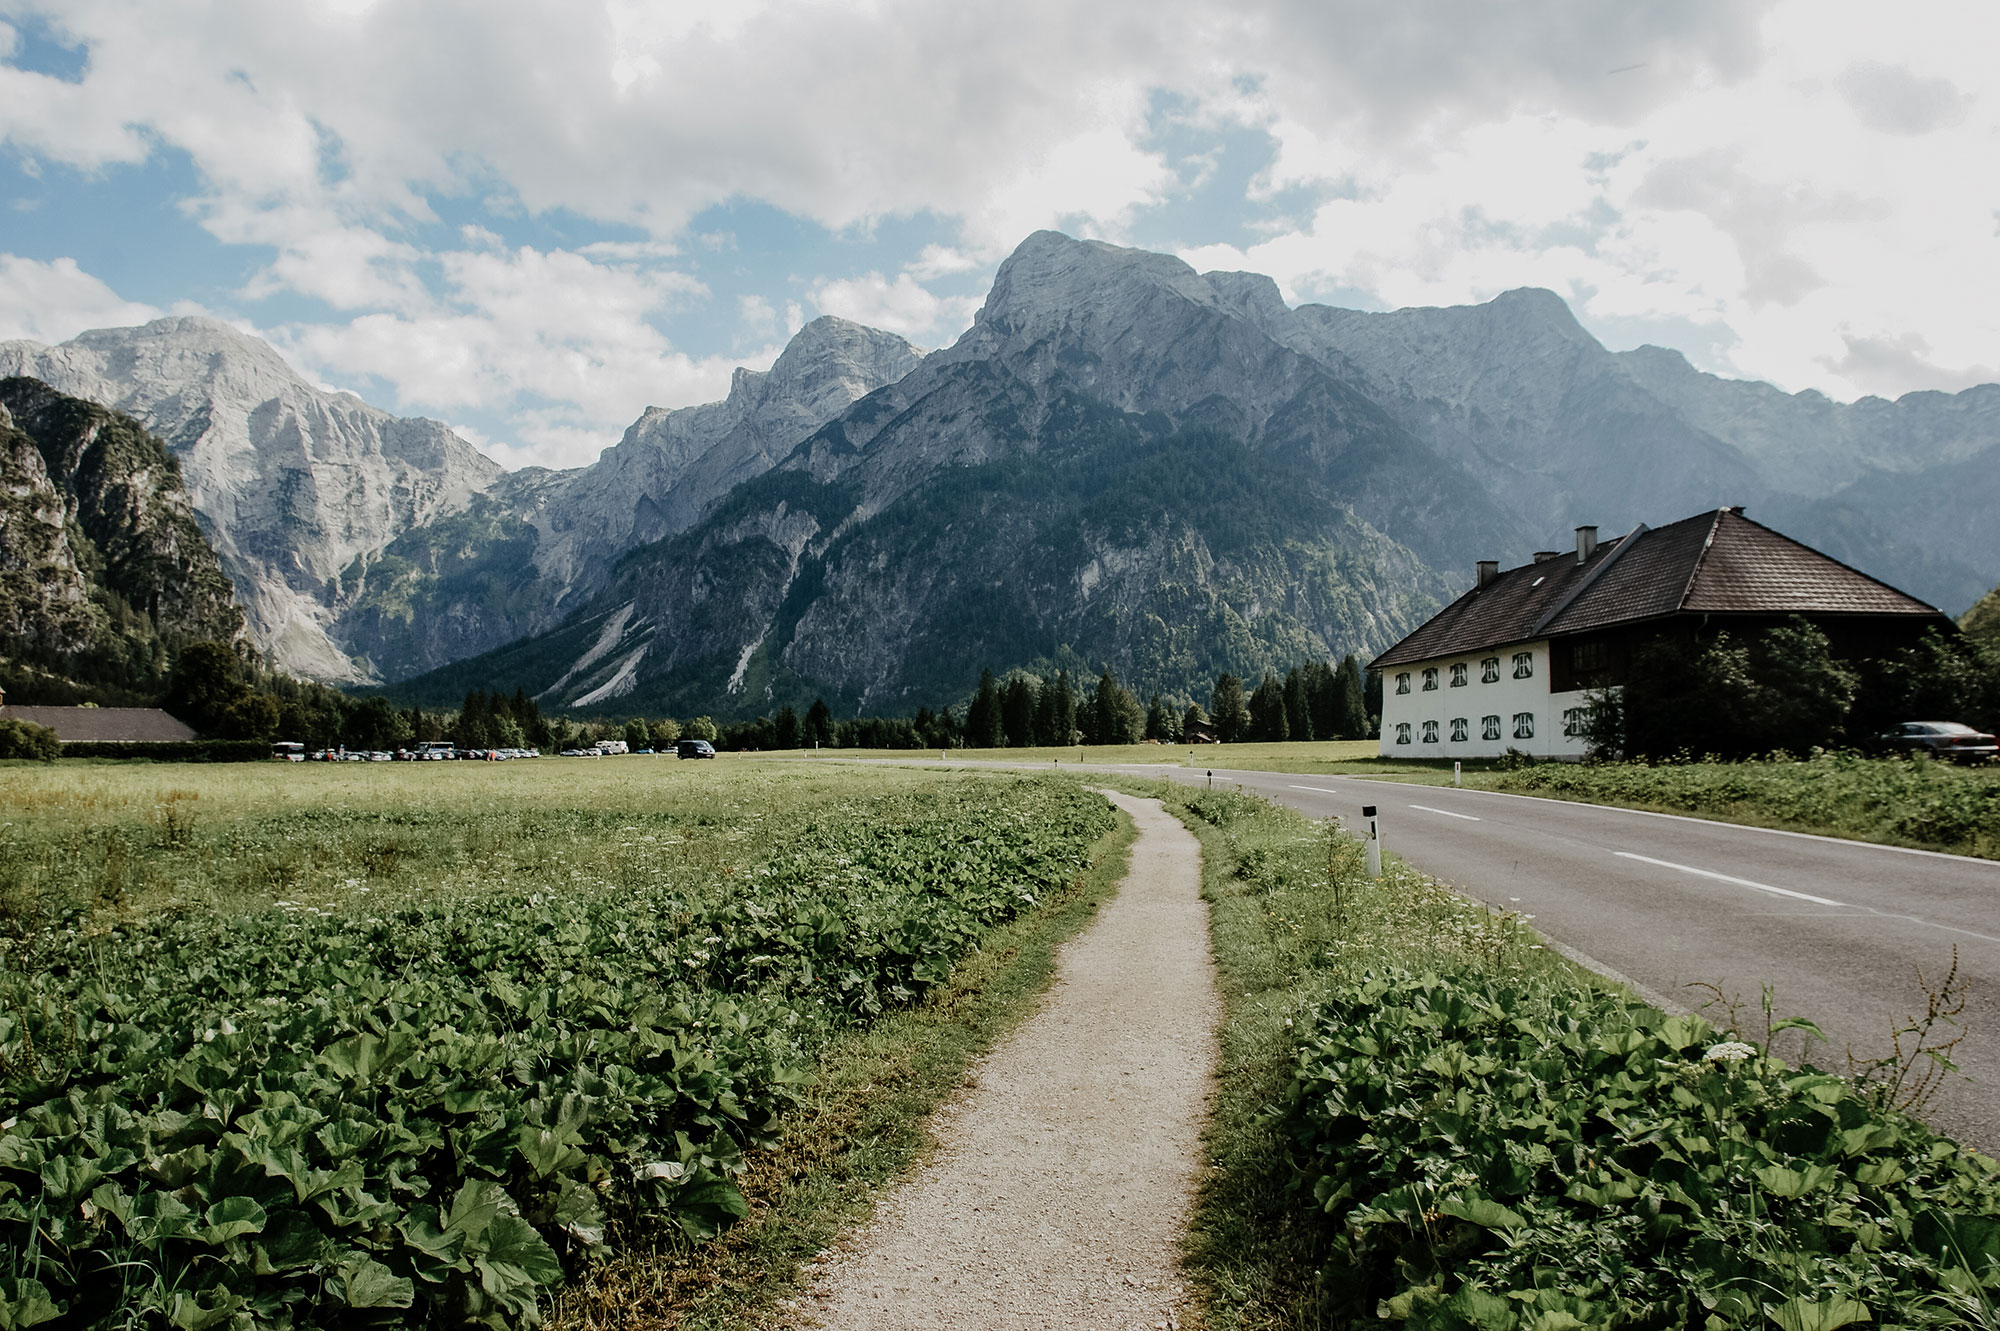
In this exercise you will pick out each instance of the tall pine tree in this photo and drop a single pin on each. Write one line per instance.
(983, 728)
(1055, 713)
(1351, 699)
(1116, 717)
(1298, 705)
(1017, 711)
(1267, 710)
(1226, 707)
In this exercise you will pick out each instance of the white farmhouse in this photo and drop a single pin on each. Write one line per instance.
(1511, 664)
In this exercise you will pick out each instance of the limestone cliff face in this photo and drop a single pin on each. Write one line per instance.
(102, 564)
(1114, 465)
(291, 483)
(542, 543)
(44, 592)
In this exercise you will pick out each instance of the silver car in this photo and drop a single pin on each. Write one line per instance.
(1943, 739)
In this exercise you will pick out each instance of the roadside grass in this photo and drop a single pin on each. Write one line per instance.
(1426, 1117)
(1291, 909)
(1911, 802)
(860, 1129)
(500, 889)
(1894, 801)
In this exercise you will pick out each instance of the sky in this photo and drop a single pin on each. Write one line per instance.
(534, 218)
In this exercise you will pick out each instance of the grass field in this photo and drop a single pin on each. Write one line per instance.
(111, 837)
(439, 1044)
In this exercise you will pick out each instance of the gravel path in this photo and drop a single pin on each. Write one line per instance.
(1063, 1177)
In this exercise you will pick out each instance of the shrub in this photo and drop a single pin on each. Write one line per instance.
(25, 739)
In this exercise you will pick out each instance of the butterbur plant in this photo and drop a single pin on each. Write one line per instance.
(1514, 1152)
(434, 1115)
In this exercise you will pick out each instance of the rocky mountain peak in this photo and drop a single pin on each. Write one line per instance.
(831, 362)
(1052, 279)
(1252, 295)
(292, 482)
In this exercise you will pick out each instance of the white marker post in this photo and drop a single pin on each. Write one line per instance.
(1374, 841)
(1454, 775)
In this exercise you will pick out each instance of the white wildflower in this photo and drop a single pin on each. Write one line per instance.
(1729, 1051)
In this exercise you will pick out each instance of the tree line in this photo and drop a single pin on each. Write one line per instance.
(1784, 689)
(1022, 709)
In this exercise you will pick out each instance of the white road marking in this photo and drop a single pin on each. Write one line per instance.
(1739, 882)
(1807, 896)
(1446, 812)
(1317, 790)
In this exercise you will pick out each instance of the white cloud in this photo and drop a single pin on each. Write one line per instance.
(53, 302)
(565, 346)
(1802, 175)
(902, 305)
(1815, 203)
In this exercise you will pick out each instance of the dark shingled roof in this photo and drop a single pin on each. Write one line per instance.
(104, 725)
(1712, 563)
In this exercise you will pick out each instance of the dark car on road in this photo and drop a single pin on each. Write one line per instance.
(1943, 739)
(694, 748)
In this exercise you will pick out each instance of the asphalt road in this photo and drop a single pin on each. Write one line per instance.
(1838, 929)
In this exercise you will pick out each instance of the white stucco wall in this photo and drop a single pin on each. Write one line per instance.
(1507, 698)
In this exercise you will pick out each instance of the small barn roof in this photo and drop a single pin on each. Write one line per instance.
(1719, 562)
(105, 725)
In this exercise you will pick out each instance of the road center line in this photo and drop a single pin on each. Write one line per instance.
(1317, 790)
(1739, 882)
(1446, 812)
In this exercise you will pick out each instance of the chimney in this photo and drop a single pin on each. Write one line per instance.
(1489, 569)
(1586, 543)
(1544, 556)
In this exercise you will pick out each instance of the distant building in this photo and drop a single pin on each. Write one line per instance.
(1510, 664)
(104, 725)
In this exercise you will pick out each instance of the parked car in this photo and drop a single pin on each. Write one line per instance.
(1943, 739)
(694, 748)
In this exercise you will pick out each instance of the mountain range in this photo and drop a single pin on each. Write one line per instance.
(1122, 462)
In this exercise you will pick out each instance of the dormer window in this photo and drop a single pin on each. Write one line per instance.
(1489, 671)
(1458, 673)
(1402, 681)
(1524, 665)
(1430, 679)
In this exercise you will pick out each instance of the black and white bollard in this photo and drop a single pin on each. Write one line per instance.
(1454, 775)
(1374, 841)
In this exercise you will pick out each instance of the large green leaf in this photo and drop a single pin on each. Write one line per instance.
(233, 1217)
(25, 1303)
(369, 1284)
(1481, 1211)
(1803, 1314)
(365, 1057)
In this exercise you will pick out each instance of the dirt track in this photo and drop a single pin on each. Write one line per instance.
(1063, 1176)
